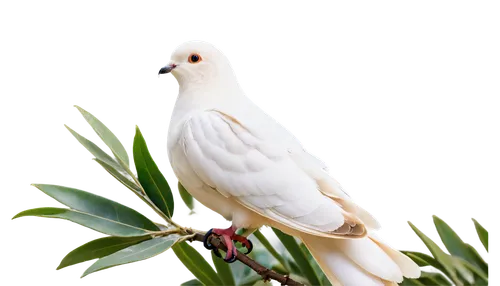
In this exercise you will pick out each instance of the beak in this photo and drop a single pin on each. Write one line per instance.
(167, 69)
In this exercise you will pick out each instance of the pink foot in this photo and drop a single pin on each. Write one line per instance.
(228, 235)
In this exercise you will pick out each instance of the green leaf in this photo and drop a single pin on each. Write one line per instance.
(106, 135)
(112, 166)
(223, 270)
(477, 258)
(295, 268)
(119, 176)
(434, 278)
(186, 196)
(480, 282)
(263, 240)
(138, 252)
(482, 233)
(193, 282)
(299, 256)
(250, 280)
(196, 264)
(411, 282)
(301, 279)
(263, 256)
(423, 259)
(443, 258)
(476, 271)
(463, 272)
(278, 268)
(95, 205)
(315, 266)
(452, 241)
(240, 271)
(100, 224)
(325, 281)
(99, 248)
(150, 177)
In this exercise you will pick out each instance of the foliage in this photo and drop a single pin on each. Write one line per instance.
(133, 237)
(462, 266)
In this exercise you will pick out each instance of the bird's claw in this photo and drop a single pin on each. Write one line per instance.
(206, 238)
(231, 259)
(229, 237)
(244, 241)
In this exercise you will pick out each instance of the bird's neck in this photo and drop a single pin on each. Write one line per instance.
(208, 93)
(196, 97)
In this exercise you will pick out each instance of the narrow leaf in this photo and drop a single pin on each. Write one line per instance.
(250, 280)
(186, 196)
(443, 258)
(482, 233)
(193, 282)
(278, 268)
(119, 177)
(97, 206)
(196, 264)
(467, 269)
(423, 259)
(325, 281)
(463, 272)
(263, 240)
(106, 135)
(427, 281)
(478, 259)
(435, 278)
(97, 223)
(452, 241)
(299, 256)
(150, 177)
(223, 270)
(411, 282)
(99, 248)
(240, 271)
(263, 256)
(138, 252)
(120, 173)
(315, 266)
(295, 268)
(300, 279)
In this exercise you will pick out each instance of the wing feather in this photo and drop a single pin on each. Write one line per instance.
(261, 176)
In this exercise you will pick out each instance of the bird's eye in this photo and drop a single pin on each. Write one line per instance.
(194, 58)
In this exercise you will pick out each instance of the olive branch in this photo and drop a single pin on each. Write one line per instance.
(129, 236)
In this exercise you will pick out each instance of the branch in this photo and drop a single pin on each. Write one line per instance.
(266, 273)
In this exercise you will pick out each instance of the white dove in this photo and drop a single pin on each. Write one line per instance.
(242, 164)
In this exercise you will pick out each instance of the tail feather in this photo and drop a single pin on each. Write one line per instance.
(363, 261)
(409, 268)
(339, 269)
(370, 257)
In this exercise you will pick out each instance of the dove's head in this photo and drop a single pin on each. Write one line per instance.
(198, 64)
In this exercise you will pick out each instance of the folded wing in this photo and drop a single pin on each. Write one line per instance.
(262, 176)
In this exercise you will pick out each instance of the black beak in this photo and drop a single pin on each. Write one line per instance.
(167, 69)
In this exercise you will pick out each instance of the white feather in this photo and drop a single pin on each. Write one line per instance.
(239, 162)
(260, 176)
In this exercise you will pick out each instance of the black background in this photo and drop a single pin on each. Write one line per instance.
(405, 112)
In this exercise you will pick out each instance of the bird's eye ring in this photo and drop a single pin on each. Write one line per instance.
(194, 58)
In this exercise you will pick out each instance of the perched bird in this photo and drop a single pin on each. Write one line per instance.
(242, 164)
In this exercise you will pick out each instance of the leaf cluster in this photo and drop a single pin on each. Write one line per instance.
(133, 237)
(462, 266)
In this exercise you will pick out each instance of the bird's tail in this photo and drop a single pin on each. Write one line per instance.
(364, 261)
